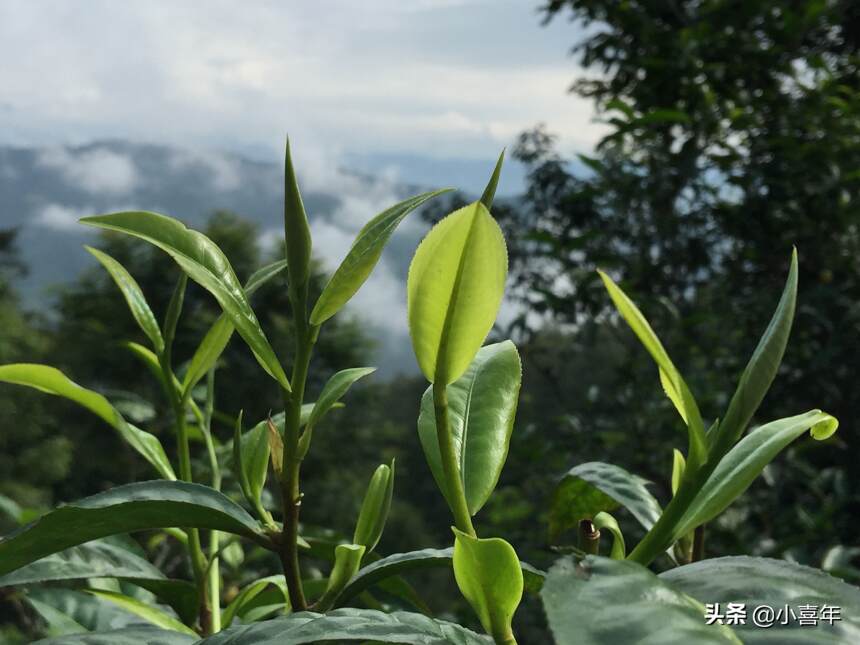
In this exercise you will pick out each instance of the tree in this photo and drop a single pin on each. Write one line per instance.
(734, 135)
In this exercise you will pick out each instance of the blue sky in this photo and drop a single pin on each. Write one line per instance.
(375, 82)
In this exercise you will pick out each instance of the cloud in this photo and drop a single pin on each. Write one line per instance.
(376, 76)
(98, 170)
(223, 170)
(62, 218)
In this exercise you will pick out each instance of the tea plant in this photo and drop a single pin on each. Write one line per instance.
(91, 584)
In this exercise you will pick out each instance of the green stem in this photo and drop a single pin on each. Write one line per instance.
(214, 569)
(195, 548)
(291, 498)
(589, 537)
(450, 464)
(698, 552)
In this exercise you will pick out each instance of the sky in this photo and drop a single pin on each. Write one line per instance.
(424, 92)
(371, 81)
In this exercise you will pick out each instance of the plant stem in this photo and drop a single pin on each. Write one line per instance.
(589, 537)
(214, 576)
(291, 498)
(698, 552)
(450, 465)
(195, 548)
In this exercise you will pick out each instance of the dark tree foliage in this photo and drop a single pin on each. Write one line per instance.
(734, 134)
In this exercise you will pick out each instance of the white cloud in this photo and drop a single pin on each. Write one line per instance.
(62, 218)
(223, 169)
(376, 76)
(96, 171)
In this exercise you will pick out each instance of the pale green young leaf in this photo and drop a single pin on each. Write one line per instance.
(489, 576)
(143, 610)
(174, 311)
(255, 460)
(454, 290)
(678, 466)
(53, 381)
(335, 388)
(362, 257)
(490, 191)
(605, 522)
(482, 405)
(375, 507)
(763, 365)
(674, 385)
(207, 265)
(347, 560)
(133, 296)
(745, 461)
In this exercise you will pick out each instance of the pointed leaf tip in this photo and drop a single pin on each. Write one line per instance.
(490, 190)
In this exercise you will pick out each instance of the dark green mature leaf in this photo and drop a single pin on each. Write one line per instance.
(595, 486)
(482, 405)
(68, 611)
(671, 379)
(349, 625)
(489, 576)
(207, 265)
(133, 507)
(138, 635)
(53, 381)
(97, 559)
(221, 331)
(599, 600)
(776, 583)
(143, 610)
(181, 595)
(762, 367)
(455, 287)
(362, 257)
(400, 563)
(133, 296)
(745, 461)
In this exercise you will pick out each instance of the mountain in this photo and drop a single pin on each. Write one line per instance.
(44, 191)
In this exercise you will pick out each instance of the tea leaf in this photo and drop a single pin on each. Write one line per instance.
(135, 635)
(336, 387)
(296, 230)
(482, 405)
(455, 287)
(53, 381)
(490, 191)
(97, 559)
(133, 507)
(362, 257)
(207, 265)
(349, 625)
(133, 296)
(763, 365)
(489, 576)
(743, 463)
(400, 563)
(599, 600)
(375, 507)
(221, 331)
(604, 521)
(143, 610)
(674, 385)
(593, 487)
(749, 581)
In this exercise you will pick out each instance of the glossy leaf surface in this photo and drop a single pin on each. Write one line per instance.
(595, 486)
(138, 635)
(53, 381)
(454, 290)
(489, 576)
(482, 405)
(362, 257)
(133, 507)
(204, 263)
(133, 295)
(599, 600)
(745, 461)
